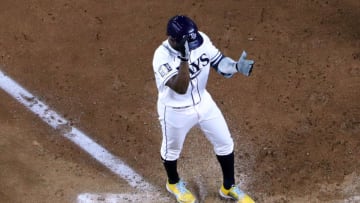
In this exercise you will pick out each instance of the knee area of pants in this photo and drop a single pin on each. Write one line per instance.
(224, 150)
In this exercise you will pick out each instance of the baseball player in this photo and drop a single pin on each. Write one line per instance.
(181, 65)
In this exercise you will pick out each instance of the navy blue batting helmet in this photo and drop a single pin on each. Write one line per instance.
(181, 26)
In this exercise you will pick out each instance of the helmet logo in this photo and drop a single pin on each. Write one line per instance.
(192, 36)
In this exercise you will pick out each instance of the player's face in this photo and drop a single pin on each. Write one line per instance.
(175, 45)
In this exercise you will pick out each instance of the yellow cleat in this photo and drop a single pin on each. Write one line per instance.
(236, 194)
(182, 194)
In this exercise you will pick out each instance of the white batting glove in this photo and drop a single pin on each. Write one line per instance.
(185, 52)
(244, 66)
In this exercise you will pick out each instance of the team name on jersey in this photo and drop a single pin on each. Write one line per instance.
(196, 66)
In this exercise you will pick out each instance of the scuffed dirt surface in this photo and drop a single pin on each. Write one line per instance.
(295, 121)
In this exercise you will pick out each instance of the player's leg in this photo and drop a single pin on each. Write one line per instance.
(171, 147)
(214, 127)
(217, 132)
(175, 125)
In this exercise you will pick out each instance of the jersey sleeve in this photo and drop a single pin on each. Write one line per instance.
(212, 51)
(215, 57)
(164, 72)
(164, 66)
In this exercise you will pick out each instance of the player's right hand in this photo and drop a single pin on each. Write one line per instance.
(184, 49)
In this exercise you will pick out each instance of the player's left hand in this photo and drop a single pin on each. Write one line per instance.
(244, 65)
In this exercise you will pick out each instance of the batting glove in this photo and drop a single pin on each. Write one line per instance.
(244, 66)
(185, 50)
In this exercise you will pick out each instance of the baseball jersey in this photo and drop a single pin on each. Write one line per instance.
(166, 65)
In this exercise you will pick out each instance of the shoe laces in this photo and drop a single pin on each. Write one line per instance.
(181, 186)
(237, 191)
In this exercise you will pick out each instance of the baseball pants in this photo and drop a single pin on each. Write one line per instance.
(177, 122)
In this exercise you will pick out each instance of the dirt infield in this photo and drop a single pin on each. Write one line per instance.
(295, 121)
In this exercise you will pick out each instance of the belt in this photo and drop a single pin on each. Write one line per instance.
(184, 107)
(181, 107)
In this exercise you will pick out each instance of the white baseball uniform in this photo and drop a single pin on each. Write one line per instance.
(178, 113)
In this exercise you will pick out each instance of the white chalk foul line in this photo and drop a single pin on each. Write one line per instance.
(57, 122)
(121, 198)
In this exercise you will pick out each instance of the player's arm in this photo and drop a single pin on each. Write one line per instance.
(180, 82)
(228, 67)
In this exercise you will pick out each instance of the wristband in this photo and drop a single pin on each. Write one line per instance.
(183, 58)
